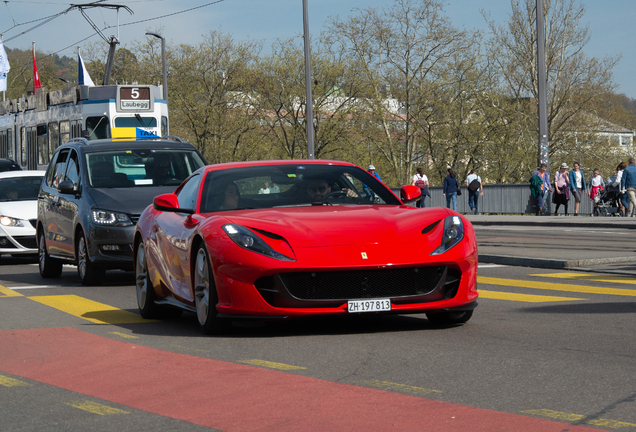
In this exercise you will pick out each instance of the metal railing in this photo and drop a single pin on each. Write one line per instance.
(504, 199)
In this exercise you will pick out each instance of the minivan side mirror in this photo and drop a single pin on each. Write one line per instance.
(67, 187)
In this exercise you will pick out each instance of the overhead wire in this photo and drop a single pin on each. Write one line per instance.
(98, 31)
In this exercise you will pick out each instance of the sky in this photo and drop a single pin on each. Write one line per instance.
(612, 32)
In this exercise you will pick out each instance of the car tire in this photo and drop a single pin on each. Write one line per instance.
(89, 273)
(448, 318)
(146, 295)
(205, 296)
(49, 267)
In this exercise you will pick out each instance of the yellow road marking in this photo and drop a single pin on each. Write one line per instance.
(12, 382)
(589, 277)
(6, 292)
(556, 287)
(577, 417)
(90, 310)
(529, 298)
(124, 335)
(271, 365)
(95, 408)
(395, 387)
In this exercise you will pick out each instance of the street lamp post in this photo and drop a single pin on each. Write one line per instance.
(164, 70)
(309, 103)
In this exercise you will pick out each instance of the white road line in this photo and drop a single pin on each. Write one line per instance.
(490, 265)
(33, 287)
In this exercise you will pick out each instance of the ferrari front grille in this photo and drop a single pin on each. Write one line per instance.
(358, 284)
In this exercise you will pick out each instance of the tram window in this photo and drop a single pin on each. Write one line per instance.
(3, 144)
(10, 144)
(137, 121)
(42, 140)
(76, 129)
(23, 146)
(98, 127)
(65, 131)
(54, 137)
(164, 126)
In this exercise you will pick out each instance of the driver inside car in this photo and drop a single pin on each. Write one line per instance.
(318, 189)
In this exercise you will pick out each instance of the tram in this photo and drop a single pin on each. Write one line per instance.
(32, 127)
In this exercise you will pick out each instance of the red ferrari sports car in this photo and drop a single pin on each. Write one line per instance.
(289, 239)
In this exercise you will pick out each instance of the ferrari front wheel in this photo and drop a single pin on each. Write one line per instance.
(145, 293)
(448, 318)
(205, 296)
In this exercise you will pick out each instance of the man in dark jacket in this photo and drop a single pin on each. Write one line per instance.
(628, 183)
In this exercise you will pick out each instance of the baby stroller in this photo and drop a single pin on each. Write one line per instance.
(607, 202)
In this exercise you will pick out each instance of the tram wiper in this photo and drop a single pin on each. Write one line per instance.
(141, 120)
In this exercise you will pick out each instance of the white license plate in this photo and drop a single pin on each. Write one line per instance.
(372, 305)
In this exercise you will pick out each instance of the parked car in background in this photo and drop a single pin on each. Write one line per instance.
(9, 165)
(319, 245)
(18, 211)
(93, 194)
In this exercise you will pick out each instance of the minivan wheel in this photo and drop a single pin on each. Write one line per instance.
(89, 273)
(49, 267)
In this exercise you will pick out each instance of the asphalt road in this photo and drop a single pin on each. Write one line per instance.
(546, 350)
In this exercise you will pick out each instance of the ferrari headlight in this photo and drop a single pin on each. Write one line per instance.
(453, 234)
(9, 221)
(247, 239)
(105, 217)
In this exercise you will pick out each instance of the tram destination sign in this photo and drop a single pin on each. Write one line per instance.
(134, 98)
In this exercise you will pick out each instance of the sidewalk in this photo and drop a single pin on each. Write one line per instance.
(529, 246)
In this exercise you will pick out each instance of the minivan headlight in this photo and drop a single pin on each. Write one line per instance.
(452, 235)
(105, 217)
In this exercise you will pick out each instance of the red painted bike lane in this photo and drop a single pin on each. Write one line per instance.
(234, 397)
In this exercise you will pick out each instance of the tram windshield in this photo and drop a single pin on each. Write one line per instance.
(137, 121)
(131, 168)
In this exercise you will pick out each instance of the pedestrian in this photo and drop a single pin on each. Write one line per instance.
(545, 187)
(373, 172)
(264, 189)
(596, 187)
(628, 184)
(475, 190)
(561, 188)
(451, 185)
(623, 201)
(577, 186)
(420, 180)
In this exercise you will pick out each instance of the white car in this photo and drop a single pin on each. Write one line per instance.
(18, 211)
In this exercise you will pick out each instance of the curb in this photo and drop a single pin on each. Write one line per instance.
(550, 263)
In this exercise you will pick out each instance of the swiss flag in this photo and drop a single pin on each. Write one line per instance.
(36, 76)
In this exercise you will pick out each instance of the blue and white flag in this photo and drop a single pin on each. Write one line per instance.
(83, 77)
(4, 68)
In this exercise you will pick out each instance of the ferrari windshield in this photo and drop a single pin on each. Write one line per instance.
(130, 168)
(288, 185)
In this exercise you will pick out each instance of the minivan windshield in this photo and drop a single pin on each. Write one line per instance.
(131, 168)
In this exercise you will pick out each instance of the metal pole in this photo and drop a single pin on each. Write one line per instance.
(544, 147)
(309, 111)
(544, 155)
(164, 70)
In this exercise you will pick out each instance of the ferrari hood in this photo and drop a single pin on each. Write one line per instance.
(127, 200)
(341, 225)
